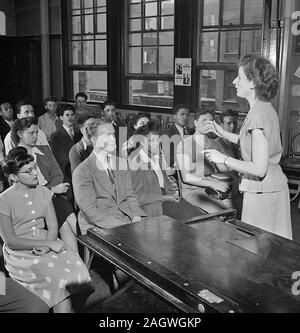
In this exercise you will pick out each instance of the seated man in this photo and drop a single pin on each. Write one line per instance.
(48, 122)
(102, 186)
(178, 131)
(6, 119)
(196, 170)
(81, 150)
(24, 109)
(64, 138)
(229, 120)
(149, 171)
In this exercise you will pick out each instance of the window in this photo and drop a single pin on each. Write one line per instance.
(88, 48)
(228, 30)
(2, 23)
(150, 52)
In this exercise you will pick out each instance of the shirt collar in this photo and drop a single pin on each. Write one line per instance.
(36, 151)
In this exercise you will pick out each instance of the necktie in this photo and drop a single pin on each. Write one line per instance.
(111, 174)
(71, 132)
(185, 132)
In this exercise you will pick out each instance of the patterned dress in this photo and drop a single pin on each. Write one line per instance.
(52, 276)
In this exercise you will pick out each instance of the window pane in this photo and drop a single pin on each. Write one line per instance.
(135, 11)
(151, 93)
(166, 38)
(76, 24)
(101, 23)
(101, 3)
(166, 63)
(151, 9)
(135, 39)
(211, 12)
(88, 3)
(167, 7)
(229, 48)
(150, 60)
(251, 42)
(89, 24)
(253, 11)
(76, 53)
(231, 12)
(135, 61)
(94, 84)
(209, 51)
(101, 52)
(218, 93)
(151, 23)
(167, 22)
(75, 4)
(135, 25)
(88, 52)
(150, 39)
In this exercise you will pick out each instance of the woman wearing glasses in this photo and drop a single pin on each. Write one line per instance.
(34, 256)
(24, 134)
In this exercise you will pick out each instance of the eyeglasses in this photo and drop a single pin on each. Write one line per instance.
(30, 171)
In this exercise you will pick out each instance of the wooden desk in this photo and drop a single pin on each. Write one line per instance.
(211, 266)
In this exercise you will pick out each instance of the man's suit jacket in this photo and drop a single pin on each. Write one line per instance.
(78, 154)
(97, 199)
(172, 131)
(4, 128)
(61, 143)
(49, 167)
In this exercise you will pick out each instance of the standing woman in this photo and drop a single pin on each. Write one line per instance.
(266, 202)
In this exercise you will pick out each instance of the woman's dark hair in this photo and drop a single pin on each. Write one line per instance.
(15, 160)
(141, 115)
(21, 125)
(263, 74)
(151, 127)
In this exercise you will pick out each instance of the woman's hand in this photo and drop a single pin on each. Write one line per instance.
(214, 156)
(57, 246)
(61, 188)
(39, 251)
(216, 129)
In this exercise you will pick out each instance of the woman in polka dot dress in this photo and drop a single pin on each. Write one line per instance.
(34, 256)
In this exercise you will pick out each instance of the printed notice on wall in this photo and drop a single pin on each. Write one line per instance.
(183, 72)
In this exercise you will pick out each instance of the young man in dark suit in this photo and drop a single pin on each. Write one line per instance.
(64, 138)
(6, 119)
(178, 131)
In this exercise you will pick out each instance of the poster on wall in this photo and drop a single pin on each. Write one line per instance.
(183, 72)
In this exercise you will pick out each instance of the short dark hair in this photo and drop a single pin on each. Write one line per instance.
(178, 107)
(84, 118)
(22, 102)
(15, 160)
(228, 113)
(64, 107)
(151, 127)
(202, 113)
(263, 74)
(108, 102)
(50, 99)
(141, 115)
(81, 94)
(21, 125)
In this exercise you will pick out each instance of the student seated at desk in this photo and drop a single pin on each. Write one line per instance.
(199, 175)
(102, 186)
(34, 256)
(149, 171)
